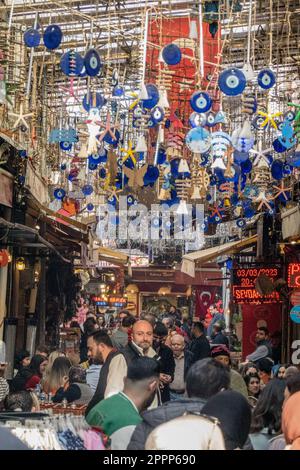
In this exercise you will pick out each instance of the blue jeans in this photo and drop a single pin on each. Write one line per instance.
(176, 396)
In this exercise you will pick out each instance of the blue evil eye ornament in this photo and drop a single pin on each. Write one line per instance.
(171, 54)
(90, 207)
(197, 119)
(259, 122)
(52, 36)
(65, 146)
(198, 140)
(110, 140)
(92, 166)
(289, 115)
(266, 79)
(278, 146)
(32, 37)
(232, 82)
(92, 62)
(210, 119)
(277, 169)
(249, 212)
(87, 189)
(71, 63)
(102, 173)
(63, 167)
(59, 193)
(241, 223)
(130, 200)
(118, 91)
(287, 169)
(200, 102)
(151, 123)
(157, 114)
(246, 166)
(151, 175)
(93, 100)
(153, 95)
(22, 154)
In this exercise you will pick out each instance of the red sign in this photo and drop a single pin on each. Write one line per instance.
(244, 278)
(242, 295)
(294, 275)
(295, 297)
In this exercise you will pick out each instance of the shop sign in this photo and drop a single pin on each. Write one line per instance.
(117, 301)
(295, 314)
(294, 275)
(100, 301)
(243, 289)
(295, 297)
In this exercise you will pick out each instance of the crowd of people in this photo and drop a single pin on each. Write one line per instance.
(166, 383)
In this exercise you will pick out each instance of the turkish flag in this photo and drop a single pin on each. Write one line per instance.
(204, 298)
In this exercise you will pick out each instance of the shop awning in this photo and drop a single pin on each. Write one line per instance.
(203, 256)
(112, 256)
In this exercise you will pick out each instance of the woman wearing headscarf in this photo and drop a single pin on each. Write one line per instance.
(187, 432)
(234, 413)
(291, 422)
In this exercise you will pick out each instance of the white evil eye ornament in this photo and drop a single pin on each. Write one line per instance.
(266, 79)
(241, 223)
(137, 112)
(198, 140)
(92, 62)
(59, 193)
(157, 114)
(260, 122)
(130, 200)
(197, 119)
(200, 102)
(232, 82)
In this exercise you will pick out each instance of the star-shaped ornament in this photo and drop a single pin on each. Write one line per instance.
(109, 128)
(129, 153)
(21, 117)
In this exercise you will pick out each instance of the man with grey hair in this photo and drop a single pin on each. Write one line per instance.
(183, 361)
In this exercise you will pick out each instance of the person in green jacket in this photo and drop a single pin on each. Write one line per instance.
(119, 414)
(222, 354)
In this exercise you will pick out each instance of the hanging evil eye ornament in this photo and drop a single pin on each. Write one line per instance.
(52, 36)
(118, 91)
(289, 115)
(278, 146)
(171, 54)
(266, 79)
(204, 159)
(71, 63)
(232, 82)
(198, 140)
(92, 166)
(92, 62)
(87, 189)
(32, 37)
(110, 140)
(59, 193)
(249, 212)
(240, 157)
(241, 223)
(153, 95)
(151, 175)
(246, 166)
(157, 114)
(210, 119)
(130, 200)
(65, 146)
(93, 100)
(22, 153)
(63, 167)
(94, 159)
(90, 207)
(277, 169)
(197, 119)
(287, 169)
(259, 122)
(200, 102)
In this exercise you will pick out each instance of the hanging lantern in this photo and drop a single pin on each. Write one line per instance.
(165, 290)
(132, 289)
(20, 264)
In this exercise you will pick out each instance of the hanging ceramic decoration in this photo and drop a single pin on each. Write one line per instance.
(63, 167)
(135, 176)
(93, 100)
(249, 103)
(171, 54)
(92, 166)
(102, 173)
(219, 163)
(197, 119)
(151, 175)
(241, 223)
(266, 79)
(277, 169)
(87, 189)
(287, 138)
(71, 63)
(198, 140)
(210, 119)
(118, 91)
(242, 138)
(220, 117)
(65, 146)
(259, 123)
(115, 78)
(130, 200)
(157, 114)
(95, 159)
(240, 157)
(90, 207)
(59, 193)
(52, 36)
(92, 62)
(289, 115)
(153, 96)
(32, 37)
(246, 166)
(151, 123)
(232, 82)
(200, 102)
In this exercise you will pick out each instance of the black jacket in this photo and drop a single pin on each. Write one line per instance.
(219, 338)
(200, 348)
(162, 414)
(167, 366)
(188, 361)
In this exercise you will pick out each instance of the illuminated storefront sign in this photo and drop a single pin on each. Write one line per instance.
(244, 278)
(294, 275)
(112, 301)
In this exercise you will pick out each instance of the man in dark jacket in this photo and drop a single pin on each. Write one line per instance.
(204, 379)
(165, 359)
(183, 360)
(199, 346)
(217, 336)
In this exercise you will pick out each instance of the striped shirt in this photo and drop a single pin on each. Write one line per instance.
(4, 389)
